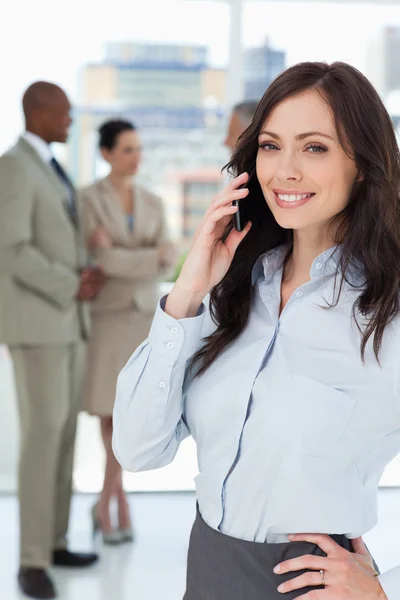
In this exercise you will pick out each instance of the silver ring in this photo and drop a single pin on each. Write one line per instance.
(322, 573)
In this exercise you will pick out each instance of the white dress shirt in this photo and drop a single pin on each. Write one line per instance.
(293, 431)
(44, 151)
(41, 147)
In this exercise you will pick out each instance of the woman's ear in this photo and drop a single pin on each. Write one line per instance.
(105, 154)
(360, 177)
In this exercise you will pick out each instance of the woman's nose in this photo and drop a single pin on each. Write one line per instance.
(288, 168)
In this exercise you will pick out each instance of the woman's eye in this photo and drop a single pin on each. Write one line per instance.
(316, 148)
(268, 146)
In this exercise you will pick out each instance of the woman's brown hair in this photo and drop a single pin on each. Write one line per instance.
(368, 229)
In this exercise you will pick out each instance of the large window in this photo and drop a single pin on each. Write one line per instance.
(166, 65)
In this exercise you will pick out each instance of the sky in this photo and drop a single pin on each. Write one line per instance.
(39, 43)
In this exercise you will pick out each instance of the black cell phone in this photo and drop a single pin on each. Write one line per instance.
(242, 216)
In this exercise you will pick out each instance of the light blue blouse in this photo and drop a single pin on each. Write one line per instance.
(293, 431)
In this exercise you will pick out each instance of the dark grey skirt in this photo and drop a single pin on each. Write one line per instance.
(221, 567)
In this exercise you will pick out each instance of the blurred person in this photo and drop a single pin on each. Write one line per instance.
(241, 116)
(43, 284)
(278, 351)
(126, 233)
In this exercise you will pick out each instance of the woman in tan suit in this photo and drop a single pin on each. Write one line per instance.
(126, 234)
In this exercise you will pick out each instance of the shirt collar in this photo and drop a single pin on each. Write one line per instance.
(268, 263)
(38, 144)
(325, 264)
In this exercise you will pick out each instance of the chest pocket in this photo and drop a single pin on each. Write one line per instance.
(310, 415)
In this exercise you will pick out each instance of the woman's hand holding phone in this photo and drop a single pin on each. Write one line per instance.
(209, 257)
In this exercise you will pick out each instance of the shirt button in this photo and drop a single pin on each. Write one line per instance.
(269, 296)
(299, 294)
(162, 384)
(174, 329)
(171, 345)
(318, 266)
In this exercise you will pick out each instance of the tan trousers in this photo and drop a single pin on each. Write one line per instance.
(49, 388)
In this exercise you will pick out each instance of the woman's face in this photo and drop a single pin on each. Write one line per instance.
(305, 175)
(125, 157)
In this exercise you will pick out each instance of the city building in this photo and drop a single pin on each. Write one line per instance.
(177, 100)
(383, 67)
(261, 66)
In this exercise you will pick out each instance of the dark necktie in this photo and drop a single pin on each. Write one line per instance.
(70, 189)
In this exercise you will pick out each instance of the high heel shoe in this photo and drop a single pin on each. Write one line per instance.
(111, 538)
(126, 534)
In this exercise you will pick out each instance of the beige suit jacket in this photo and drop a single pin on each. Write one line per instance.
(40, 253)
(131, 265)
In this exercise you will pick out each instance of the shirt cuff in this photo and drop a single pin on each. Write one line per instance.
(176, 340)
(390, 582)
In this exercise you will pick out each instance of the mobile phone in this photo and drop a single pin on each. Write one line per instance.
(242, 216)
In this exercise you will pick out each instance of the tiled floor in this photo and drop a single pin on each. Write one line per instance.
(154, 567)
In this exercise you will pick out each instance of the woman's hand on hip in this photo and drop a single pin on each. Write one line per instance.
(209, 257)
(346, 575)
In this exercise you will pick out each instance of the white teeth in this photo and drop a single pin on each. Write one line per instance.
(292, 197)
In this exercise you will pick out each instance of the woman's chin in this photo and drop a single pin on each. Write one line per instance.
(289, 223)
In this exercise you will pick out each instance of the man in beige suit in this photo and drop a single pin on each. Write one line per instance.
(42, 320)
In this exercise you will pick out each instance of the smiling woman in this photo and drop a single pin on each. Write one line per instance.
(348, 173)
(287, 376)
(309, 169)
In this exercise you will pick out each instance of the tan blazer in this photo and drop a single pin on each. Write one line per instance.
(132, 264)
(40, 253)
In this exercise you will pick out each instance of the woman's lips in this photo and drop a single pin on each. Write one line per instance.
(292, 199)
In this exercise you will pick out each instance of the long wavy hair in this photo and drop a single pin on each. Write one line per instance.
(368, 229)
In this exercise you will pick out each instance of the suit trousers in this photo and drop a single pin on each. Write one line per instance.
(49, 390)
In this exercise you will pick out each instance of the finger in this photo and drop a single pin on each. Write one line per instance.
(232, 185)
(239, 180)
(227, 198)
(235, 237)
(231, 196)
(310, 579)
(200, 228)
(212, 220)
(360, 548)
(307, 562)
(325, 542)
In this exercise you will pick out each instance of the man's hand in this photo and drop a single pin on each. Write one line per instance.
(92, 281)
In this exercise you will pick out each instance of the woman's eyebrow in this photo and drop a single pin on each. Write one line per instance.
(300, 136)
